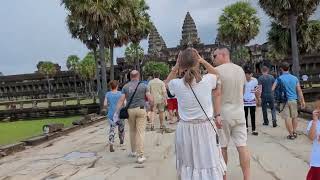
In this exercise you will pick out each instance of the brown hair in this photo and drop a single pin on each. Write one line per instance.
(265, 69)
(113, 84)
(285, 66)
(189, 63)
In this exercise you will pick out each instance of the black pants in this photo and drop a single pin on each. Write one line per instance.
(252, 114)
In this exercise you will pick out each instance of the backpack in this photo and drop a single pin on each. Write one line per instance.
(280, 94)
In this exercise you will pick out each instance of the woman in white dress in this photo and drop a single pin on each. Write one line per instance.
(198, 154)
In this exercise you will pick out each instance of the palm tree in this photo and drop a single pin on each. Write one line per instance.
(238, 25)
(48, 69)
(133, 54)
(88, 71)
(73, 65)
(288, 13)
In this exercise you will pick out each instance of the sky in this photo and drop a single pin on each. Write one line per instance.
(35, 30)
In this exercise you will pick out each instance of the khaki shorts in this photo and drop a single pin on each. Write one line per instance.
(160, 107)
(290, 110)
(237, 131)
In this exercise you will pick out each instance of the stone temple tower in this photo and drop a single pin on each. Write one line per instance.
(156, 42)
(189, 33)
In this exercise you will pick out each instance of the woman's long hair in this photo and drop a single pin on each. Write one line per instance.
(189, 63)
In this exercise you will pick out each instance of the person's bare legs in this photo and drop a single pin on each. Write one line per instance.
(161, 113)
(294, 124)
(225, 157)
(170, 115)
(244, 157)
(289, 125)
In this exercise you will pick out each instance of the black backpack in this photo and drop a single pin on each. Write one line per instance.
(280, 94)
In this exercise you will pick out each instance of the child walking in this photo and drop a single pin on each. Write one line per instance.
(250, 97)
(111, 99)
(313, 132)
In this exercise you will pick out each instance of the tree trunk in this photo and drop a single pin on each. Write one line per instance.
(102, 60)
(97, 71)
(294, 44)
(111, 57)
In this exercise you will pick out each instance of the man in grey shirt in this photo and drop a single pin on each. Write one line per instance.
(267, 98)
(137, 113)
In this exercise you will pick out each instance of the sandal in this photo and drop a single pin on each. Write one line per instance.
(295, 135)
(290, 137)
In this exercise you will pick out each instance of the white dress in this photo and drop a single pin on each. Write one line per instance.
(198, 156)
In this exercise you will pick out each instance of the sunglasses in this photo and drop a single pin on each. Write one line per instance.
(214, 56)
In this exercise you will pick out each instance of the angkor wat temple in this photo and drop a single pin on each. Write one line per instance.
(34, 85)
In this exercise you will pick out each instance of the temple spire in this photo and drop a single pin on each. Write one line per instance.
(156, 42)
(189, 32)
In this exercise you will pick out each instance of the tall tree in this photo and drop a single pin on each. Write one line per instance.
(152, 67)
(288, 13)
(73, 65)
(133, 54)
(88, 71)
(48, 69)
(238, 24)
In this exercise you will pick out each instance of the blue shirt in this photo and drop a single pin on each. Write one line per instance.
(112, 99)
(290, 82)
(315, 153)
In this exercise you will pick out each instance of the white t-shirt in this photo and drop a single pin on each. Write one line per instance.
(315, 153)
(249, 96)
(189, 108)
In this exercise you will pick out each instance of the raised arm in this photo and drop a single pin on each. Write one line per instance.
(210, 69)
(313, 129)
(174, 71)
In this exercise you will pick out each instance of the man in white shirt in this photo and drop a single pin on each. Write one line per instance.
(232, 112)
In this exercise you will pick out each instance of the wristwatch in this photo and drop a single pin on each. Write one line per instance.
(217, 115)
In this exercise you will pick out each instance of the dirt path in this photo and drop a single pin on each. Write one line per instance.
(273, 157)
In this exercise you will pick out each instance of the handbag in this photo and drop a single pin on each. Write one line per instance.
(123, 114)
(217, 136)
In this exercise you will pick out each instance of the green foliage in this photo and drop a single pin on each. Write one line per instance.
(133, 53)
(73, 63)
(47, 68)
(238, 24)
(156, 67)
(88, 67)
(241, 55)
(12, 132)
(281, 9)
(308, 38)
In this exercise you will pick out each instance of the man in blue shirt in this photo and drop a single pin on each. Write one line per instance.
(293, 91)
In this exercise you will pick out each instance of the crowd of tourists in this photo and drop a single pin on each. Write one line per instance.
(207, 125)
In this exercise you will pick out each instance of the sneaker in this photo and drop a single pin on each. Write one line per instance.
(265, 124)
(274, 124)
(132, 154)
(141, 160)
(121, 142)
(111, 148)
(255, 133)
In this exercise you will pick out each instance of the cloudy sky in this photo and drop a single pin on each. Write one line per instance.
(35, 30)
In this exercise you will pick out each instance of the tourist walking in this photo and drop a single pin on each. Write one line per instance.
(265, 82)
(232, 113)
(313, 131)
(158, 91)
(111, 99)
(135, 92)
(198, 152)
(250, 99)
(289, 106)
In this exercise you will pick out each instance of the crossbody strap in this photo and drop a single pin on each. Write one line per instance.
(133, 95)
(217, 136)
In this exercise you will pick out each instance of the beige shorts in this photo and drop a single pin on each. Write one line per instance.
(237, 131)
(160, 107)
(290, 110)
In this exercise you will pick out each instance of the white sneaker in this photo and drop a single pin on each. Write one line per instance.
(141, 160)
(133, 154)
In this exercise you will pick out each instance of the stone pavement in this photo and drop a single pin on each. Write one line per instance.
(84, 155)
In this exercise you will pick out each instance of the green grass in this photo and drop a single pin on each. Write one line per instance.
(12, 132)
